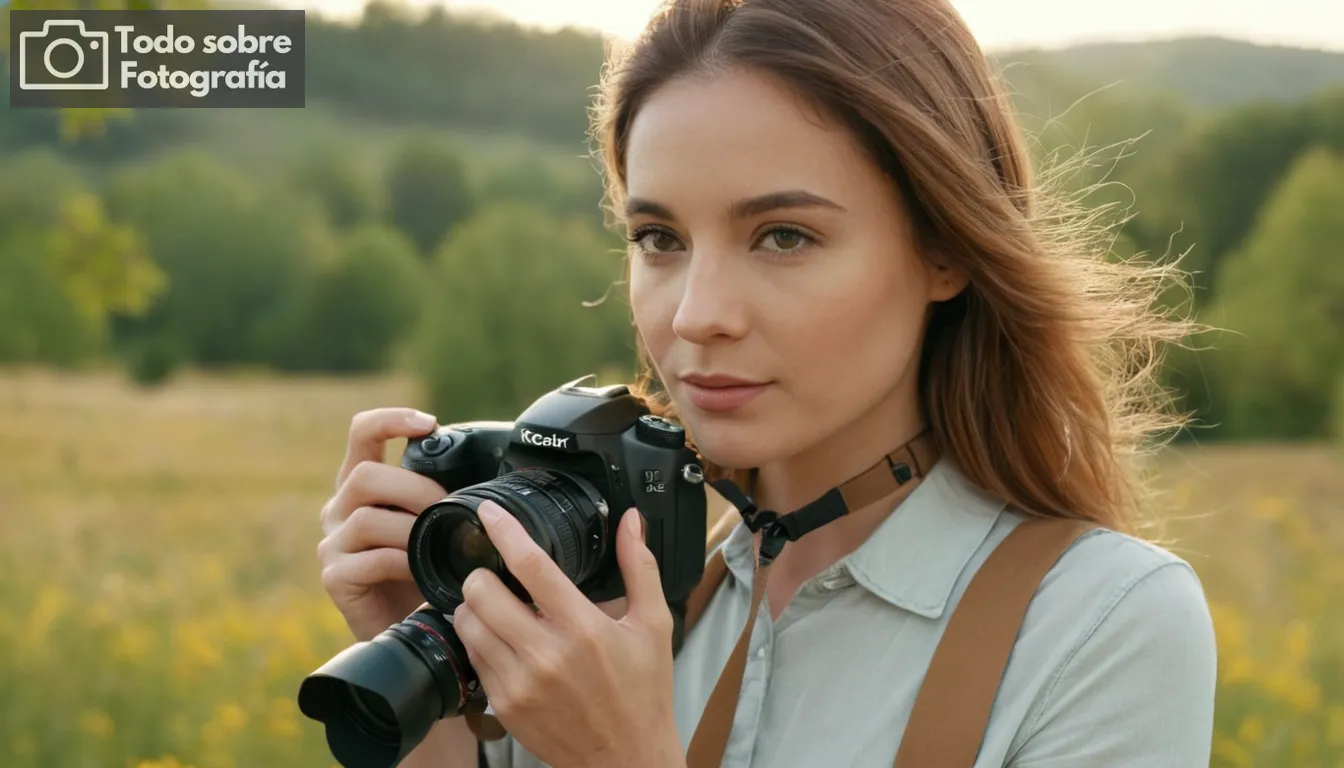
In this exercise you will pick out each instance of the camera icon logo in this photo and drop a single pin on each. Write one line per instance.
(45, 58)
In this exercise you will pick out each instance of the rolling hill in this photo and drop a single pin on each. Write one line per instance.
(1203, 72)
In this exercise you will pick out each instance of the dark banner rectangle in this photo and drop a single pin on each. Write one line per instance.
(136, 59)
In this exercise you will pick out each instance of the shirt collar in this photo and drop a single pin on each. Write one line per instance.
(914, 558)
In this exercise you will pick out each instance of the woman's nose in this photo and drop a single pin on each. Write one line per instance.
(713, 301)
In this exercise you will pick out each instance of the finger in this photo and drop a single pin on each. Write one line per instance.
(374, 484)
(548, 586)
(368, 528)
(365, 569)
(646, 602)
(512, 620)
(487, 653)
(370, 431)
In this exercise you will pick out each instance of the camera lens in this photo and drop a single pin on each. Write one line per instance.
(378, 699)
(562, 512)
(463, 546)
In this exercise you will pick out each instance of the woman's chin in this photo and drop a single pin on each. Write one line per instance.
(735, 446)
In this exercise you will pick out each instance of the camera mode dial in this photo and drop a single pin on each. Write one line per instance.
(655, 430)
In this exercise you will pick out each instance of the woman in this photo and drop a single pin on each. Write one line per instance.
(836, 246)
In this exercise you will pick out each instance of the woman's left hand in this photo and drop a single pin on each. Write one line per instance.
(572, 684)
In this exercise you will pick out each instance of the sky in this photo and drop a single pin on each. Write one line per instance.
(996, 23)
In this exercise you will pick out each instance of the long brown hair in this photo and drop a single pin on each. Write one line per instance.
(1041, 378)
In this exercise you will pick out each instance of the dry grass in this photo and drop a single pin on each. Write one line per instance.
(159, 596)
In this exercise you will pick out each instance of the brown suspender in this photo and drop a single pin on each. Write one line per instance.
(952, 708)
(953, 704)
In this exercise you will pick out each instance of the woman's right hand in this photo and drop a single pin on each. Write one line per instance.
(367, 522)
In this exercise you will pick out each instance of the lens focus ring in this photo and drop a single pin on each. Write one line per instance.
(560, 511)
(548, 494)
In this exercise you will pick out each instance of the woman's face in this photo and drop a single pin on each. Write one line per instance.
(774, 279)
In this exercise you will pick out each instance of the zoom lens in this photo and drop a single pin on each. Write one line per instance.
(378, 699)
(562, 513)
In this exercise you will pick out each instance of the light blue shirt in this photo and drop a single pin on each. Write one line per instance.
(1115, 665)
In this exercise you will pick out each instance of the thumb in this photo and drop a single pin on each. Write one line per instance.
(639, 568)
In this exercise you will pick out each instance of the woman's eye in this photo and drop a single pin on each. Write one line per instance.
(785, 240)
(655, 241)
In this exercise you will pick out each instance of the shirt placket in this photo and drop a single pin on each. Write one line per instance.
(744, 740)
(751, 701)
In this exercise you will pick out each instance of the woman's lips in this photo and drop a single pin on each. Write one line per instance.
(722, 399)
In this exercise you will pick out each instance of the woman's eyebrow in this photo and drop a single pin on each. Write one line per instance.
(791, 198)
(637, 205)
(747, 207)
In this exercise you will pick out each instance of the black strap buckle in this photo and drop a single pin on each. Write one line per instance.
(779, 529)
(757, 518)
(772, 542)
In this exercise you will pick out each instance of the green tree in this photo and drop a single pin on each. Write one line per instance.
(38, 322)
(1206, 191)
(353, 315)
(349, 194)
(65, 269)
(103, 265)
(428, 190)
(574, 190)
(1339, 413)
(507, 320)
(429, 65)
(236, 254)
(33, 187)
(1283, 296)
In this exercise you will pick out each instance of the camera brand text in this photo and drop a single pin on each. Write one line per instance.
(544, 441)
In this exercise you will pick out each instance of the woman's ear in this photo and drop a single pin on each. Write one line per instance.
(946, 281)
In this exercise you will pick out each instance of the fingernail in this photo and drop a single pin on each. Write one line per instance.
(489, 512)
(421, 420)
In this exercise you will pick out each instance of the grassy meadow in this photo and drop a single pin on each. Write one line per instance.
(159, 594)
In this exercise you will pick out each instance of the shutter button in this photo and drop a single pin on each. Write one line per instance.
(434, 446)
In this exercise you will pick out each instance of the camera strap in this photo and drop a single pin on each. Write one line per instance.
(947, 722)
(889, 474)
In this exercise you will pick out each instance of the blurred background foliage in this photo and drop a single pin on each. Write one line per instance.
(194, 302)
(224, 238)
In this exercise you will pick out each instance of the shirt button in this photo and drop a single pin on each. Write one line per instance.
(760, 653)
(836, 579)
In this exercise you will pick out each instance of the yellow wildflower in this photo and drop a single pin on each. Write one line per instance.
(96, 723)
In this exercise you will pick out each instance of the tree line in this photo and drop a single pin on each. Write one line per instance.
(147, 245)
(185, 261)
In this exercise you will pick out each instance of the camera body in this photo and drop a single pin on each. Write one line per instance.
(568, 469)
(618, 456)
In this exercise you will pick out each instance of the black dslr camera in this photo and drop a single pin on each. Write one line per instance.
(567, 468)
